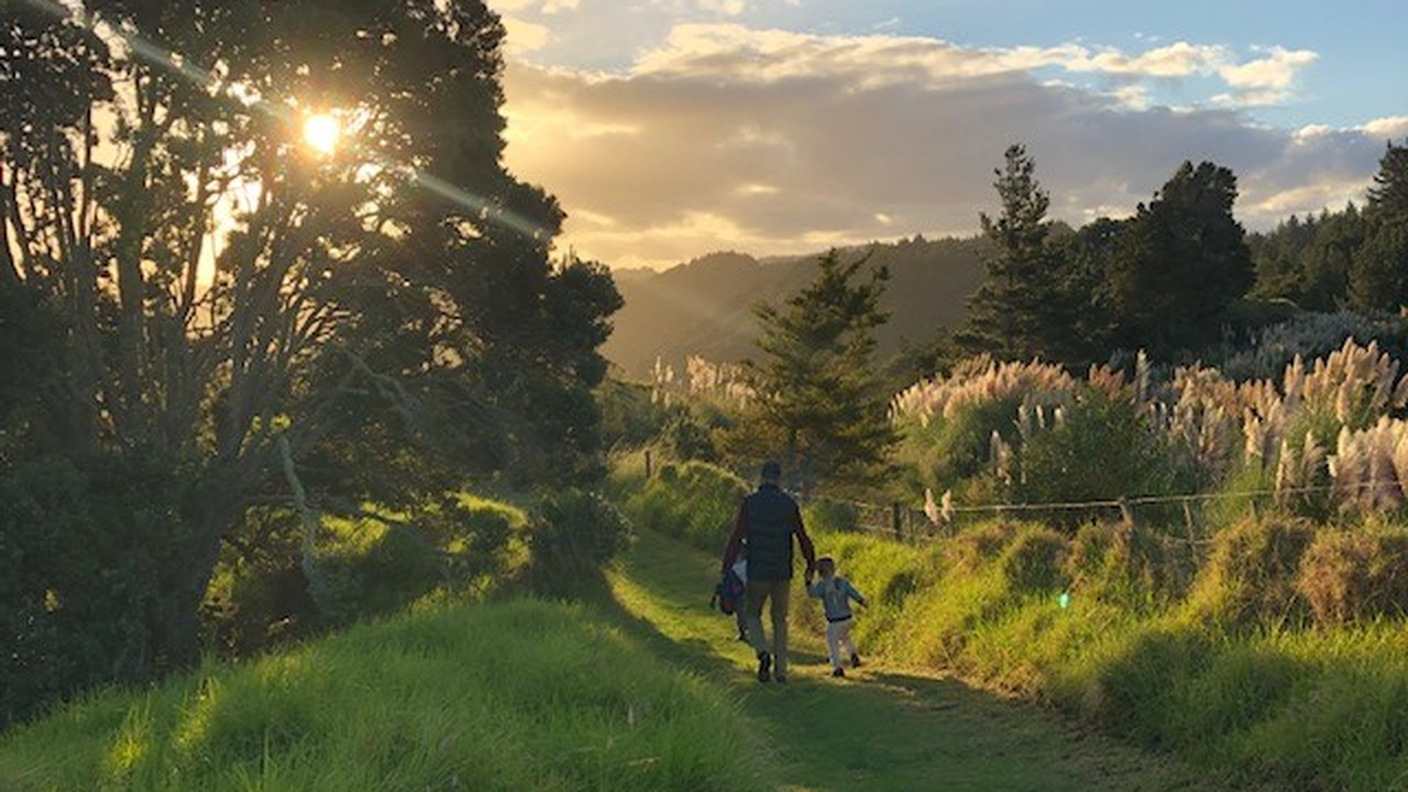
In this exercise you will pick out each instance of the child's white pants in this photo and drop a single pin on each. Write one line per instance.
(838, 634)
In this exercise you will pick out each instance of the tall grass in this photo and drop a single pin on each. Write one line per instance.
(1216, 670)
(524, 695)
(694, 501)
(1332, 426)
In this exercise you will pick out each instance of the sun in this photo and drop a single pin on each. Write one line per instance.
(321, 131)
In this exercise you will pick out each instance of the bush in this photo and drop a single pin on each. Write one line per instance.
(1250, 578)
(1310, 335)
(573, 532)
(92, 554)
(267, 591)
(1102, 449)
(976, 547)
(830, 515)
(694, 501)
(1356, 576)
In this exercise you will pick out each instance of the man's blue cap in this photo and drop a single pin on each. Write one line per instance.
(772, 471)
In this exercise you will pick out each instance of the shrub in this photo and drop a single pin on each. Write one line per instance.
(1310, 335)
(1354, 576)
(1140, 688)
(267, 591)
(92, 552)
(694, 501)
(572, 532)
(830, 515)
(1101, 449)
(1250, 577)
(975, 548)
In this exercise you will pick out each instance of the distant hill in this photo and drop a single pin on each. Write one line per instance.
(705, 307)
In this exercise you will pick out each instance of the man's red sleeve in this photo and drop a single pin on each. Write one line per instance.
(735, 540)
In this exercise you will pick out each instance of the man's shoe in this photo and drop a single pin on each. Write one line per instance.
(838, 671)
(780, 679)
(764, 667)
(855, 660)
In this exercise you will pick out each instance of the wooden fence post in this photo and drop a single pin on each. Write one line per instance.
(895, 518)
(647, 464)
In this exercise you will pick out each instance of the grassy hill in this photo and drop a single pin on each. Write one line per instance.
(516, 696)
(639, 688)
(704, 307)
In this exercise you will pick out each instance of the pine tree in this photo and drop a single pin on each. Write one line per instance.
(1020, 312)
(1183, 263)
(820, 404)
(1378, 278)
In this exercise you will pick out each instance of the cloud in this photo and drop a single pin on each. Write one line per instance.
(524, 36)
(1175, 60)
(1277, 70)
(781, 142)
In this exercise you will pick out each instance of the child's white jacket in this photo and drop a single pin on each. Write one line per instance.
(836, 594)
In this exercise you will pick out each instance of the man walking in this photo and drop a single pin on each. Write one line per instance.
(767, 520)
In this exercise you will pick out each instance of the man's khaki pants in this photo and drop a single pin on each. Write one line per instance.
(778, 593)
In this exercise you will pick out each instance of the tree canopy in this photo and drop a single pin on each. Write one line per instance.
(202, 292)
(1021, 310)
(1182, 263)
(819, 402)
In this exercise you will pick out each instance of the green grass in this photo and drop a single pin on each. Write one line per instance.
(525, 695)
(889, 726)
(641, 686)
(1295, 708)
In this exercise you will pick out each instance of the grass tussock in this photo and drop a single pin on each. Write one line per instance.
(1356, 576)
(524, 695)
(1250, 578)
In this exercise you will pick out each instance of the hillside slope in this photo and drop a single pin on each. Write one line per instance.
(705, 307)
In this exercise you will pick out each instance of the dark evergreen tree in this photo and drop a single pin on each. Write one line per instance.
(1088, 255)
(1326, 263)
(1389, 195)
(1378, 279)
(1022, 310)
(820, 403)
(1182, 265)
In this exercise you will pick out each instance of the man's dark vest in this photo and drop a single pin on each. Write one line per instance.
(769, 512)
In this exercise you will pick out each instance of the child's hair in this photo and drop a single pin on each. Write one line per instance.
(826, 565)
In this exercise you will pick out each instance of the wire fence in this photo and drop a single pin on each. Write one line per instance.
(1182, 517)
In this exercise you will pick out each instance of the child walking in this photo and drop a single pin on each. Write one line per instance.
(836, 594)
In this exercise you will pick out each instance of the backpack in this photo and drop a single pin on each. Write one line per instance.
(728, 592)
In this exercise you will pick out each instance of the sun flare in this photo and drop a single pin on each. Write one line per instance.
(322, 132)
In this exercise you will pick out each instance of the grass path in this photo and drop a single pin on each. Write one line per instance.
(880, 728)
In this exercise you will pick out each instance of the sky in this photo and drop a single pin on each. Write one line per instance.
(669, 129)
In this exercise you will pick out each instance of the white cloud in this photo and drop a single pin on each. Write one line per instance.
(1276, 71)
(776, 142)
(1175, 60)
(1392, 127)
